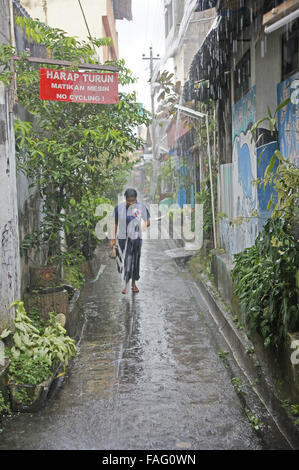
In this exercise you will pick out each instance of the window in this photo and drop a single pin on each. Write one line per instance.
(168, 18)
(290, 51)
(242, 77)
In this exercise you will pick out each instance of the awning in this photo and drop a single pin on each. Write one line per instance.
(175, 131)
(208, 73)
(122, 9)
(281, 15)
(205, 64)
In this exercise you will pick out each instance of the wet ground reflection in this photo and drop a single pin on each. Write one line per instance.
(147, 377)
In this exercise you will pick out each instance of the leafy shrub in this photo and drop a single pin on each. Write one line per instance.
(4, 407)
(29, 370)
(265, 282)
(53, 345)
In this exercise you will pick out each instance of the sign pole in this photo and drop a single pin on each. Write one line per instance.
(41, 60)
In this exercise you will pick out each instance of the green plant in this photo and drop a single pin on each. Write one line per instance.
(73, 275)
(21, 395)
(25, 335)
(265, 282)
(5, 333)
(294, 409)
(253, 420)
(73, 154)
(237, 322)
(29, 370)
(223, 356)
(285, 177)
(166, 174)
(36, 350)
(37, 321)
(250, 351)
(4, 407)
(237, 384)
(52, 344)
(55, 346)
(168, 96)
(204, 197)
(265, 274)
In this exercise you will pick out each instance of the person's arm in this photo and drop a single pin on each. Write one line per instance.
(147, 222)
(113, 241)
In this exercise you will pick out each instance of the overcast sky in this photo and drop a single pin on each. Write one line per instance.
(135, 38)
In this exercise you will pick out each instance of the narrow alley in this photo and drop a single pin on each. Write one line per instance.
(148, 375)
(154, 141)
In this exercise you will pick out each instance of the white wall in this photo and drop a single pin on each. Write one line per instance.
(267, 72)
(9, 237)
(67, 15)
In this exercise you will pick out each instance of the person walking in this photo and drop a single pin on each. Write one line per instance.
(127, 237)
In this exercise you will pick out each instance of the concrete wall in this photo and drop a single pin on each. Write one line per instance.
(29, 214)
(267, 72)
(29, 202)
(67, 15)
(177, 14)
(108, 30)
(237, 196)
(9, 236)
(288, 118)
(198, 28)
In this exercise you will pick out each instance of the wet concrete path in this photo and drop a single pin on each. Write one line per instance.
(148, 375)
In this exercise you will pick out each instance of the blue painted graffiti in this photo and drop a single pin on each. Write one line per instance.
(264, 195)
(244, 169)
(244, 113)
(181, 197)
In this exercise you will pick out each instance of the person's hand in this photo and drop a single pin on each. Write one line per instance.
(112, 243)
(144, 227)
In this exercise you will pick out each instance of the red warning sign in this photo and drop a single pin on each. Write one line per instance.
(78, 87)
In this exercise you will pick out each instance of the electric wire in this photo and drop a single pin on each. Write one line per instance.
(87, 27)
(147, 23)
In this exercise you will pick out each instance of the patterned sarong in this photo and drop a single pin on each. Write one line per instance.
(129, 239)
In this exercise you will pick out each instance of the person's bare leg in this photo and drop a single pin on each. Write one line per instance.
(124, 291)
(134, 287)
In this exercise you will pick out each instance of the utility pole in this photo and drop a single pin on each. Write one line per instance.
(151, 58)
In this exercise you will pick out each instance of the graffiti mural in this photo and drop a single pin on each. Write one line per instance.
(239, 198)
(244, 113)
(264, 194)
(244, 172)
(288, 118)
(225, 190)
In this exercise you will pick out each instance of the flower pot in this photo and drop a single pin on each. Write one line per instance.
(37, 393)
(44, 276)
(48, 302)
